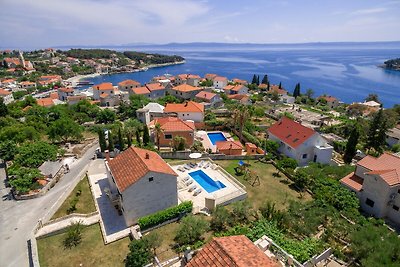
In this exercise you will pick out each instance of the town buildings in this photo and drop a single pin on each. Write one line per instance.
(186, 111)
(172, 127)
(7, 96)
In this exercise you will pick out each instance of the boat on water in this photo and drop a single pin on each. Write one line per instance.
(84, 83)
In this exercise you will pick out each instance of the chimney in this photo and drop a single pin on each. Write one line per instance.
(147, 156)
(186, 103)
(107, 155)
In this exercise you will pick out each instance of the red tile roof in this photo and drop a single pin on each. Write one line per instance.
(386, 166)
(328, 98)
(45, 102)
(184, 107)
(205, 95)
(226, 145)
(186, 88)
(128, 82)
(174, 124)
(131, 165)
(353, 181)
(263, 86)
(155, 86)
(231, 251)
(210, 76)
(140, 90)
(104, 87)
(251, 145)
(239, 97)
(4, 92)
(66, 90)
(239, 81)
(290, 132)
(104, 95)
(276, 89)
(220, 79)
(54, 95)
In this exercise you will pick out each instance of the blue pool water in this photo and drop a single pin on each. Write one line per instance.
(206, 182)
(215, 137)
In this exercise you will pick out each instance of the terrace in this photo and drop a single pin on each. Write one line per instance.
(207, 185)
(209, 139)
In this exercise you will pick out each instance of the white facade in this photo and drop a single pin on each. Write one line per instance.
(220, 83)
(151, 193)
(314, 149)
(193, 116)
(7, 98)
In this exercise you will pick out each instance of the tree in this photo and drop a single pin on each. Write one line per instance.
(274, 96)
(240, 116)
(377, 132)
(190, 230)
(254, 80)
(129, 139)
(146, 136)
(158, 132)
(372, 97)
(110, 141)
(280, 85)
(34, 154)
(221, 219)
(258, 79)
(178, 143)
(153, 240)
(138, 141)
(23, 178)
(301, 179)
(106, 116)
(74, 236)
(139, 254)
(296, 91)
(8, 150)
(242, 211)
(310, 93)
(120, 140)
(351, 145)
(287, 163)
(3, 108)
(102, 140)
(65, 129)
(265, 79)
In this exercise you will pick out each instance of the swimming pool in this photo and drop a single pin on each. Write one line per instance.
(215, 137)
(206, 182)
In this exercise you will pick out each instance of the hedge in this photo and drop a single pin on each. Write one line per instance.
(251, 138)
(165, 215)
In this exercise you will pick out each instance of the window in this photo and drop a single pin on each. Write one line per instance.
(304, 156)
(168, 136)
(151, 179)
(183, 115)
(398, 191)
(396, 208)
(369, 202)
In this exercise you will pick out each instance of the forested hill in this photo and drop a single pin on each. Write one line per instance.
(144, 58)
(393, 64)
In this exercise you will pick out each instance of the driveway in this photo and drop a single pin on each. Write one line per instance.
(18, 218)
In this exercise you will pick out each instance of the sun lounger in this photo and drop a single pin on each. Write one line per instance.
(187, 167)
(196, 192)
(193, 187)
(189, 182)
(180, 168)
(193, 165)
(207, 165)
(185, 179)
(201, 163)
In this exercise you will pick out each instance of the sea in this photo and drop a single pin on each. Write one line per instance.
(348, 71)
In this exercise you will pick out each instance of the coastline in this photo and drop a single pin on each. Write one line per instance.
(75, 79)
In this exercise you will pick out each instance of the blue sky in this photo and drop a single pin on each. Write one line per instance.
(44, 23)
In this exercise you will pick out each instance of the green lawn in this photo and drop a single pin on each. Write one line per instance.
(85, 203)
(91, 252)
(275, 189)
(166, 249)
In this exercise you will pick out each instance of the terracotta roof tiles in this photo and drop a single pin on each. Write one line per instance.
(184, 107)
(174, 124)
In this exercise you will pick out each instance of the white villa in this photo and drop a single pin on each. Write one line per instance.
(299, 142)
(141, 183)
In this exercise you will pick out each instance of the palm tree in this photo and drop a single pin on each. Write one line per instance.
(158, 131)
(240, 116)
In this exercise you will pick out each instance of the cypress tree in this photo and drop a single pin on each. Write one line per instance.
(352, 142)
(265, 79)
(3, 108)
(120, 140)
(129, 139)
(280, 85)
(258, 79)
(254, 81)
(146, 136)
(102, 140)
(110, 142)
(268, 86)
(296, 91)
(138, 138)
(377, 130)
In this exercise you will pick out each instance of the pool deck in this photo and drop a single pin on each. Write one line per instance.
(232, 190)
(205, 140)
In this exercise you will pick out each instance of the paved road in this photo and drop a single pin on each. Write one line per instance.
(18, 218)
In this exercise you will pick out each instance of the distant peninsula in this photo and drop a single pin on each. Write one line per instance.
(392, 64)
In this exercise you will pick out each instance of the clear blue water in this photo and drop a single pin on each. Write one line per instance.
(349, 72)
(206, 182)
(215, 137)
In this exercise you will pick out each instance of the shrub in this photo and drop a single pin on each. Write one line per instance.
(190, 230)
(165, 215)
(74, 236)
(251, 138)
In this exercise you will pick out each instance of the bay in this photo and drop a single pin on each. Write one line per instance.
(347, 71)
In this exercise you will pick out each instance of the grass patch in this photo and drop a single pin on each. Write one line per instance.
(278, 190)
(91, 252)
(84, 203)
